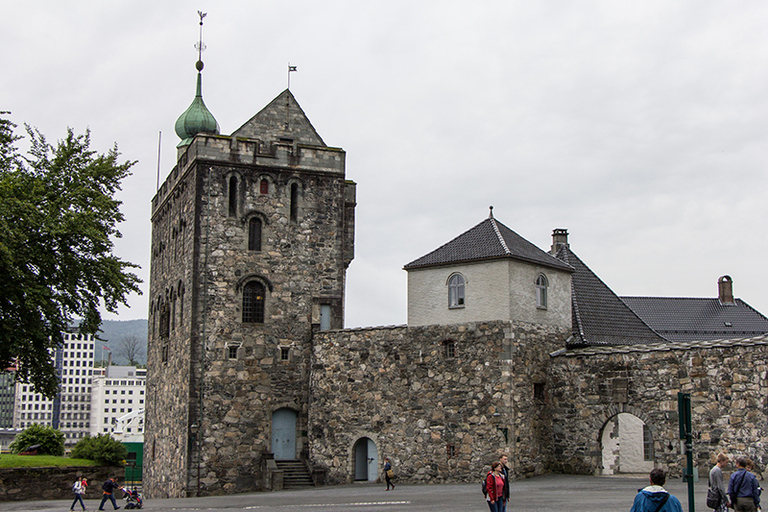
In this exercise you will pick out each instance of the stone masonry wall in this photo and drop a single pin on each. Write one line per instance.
(24, 484)
(726, 380)
(399, 387)
(217, 380)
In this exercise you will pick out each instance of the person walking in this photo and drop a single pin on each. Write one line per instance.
(717, 483)
(655, 498)
(79, 489)
(388, 473)
(743, 488)
(494, 484)
(109, 492)
(504, 459)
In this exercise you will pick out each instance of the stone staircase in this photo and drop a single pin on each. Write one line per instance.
(295, 474)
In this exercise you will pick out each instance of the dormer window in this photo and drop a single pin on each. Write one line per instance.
(456, 291)
(541, 291)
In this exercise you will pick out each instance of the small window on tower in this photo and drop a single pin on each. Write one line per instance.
(232, 196)
(254, 234)
(253, 303)
(285, 353)
(294, 202)
(264, 187)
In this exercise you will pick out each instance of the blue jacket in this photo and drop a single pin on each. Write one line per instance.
(743, 484)
(648, 499)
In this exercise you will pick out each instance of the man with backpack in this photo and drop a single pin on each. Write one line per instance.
(109, 492)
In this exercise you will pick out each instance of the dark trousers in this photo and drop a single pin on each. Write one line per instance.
(110, 496)
(79, 497)
(497, 506)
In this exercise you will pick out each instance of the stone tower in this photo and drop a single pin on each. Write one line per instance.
(252, 234)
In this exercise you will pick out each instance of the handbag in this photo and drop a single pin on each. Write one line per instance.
(390, 473)
(713, 498)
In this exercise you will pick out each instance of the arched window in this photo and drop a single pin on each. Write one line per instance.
(264, 186)
(456, 291)
(294, 202)
(232, 196)
(541, 291)
(253, 303)
(254, 234)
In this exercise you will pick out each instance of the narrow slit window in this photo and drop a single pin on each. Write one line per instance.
(294, 202)
(254, 234)
(232, 196)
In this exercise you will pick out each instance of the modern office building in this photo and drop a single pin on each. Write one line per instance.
(70, 410)
(116, 391)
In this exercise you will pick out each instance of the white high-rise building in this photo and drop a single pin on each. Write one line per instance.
(70, 410)
(116, 391)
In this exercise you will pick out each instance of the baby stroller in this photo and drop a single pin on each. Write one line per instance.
(132, 499)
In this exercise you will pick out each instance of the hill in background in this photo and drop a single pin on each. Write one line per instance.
(114, 332)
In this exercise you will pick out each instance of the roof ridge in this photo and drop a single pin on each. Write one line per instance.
(498, 235)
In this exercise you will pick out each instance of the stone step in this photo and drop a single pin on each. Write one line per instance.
(295, 474)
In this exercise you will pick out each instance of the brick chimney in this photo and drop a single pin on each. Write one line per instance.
(725, 291)
(559, 239)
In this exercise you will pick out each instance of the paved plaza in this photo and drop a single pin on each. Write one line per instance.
(561, 493)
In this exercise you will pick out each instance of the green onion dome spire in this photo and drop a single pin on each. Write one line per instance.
(197, 118)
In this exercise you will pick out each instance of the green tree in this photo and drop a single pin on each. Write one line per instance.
(58, 216)
(51, 441)
(102, 448)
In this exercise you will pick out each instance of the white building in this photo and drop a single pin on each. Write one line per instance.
(70, 410)
(489, 273)
(116, 392)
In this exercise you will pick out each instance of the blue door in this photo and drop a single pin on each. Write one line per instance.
(366, 460)
(284, 434)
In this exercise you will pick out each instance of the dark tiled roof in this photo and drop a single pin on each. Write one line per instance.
(488, 240)
(599, 316)
(698, 319)
(660, 347)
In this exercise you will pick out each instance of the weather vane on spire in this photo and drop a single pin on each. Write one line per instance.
(200, 46)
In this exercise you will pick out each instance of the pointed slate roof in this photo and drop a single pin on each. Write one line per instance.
(698, 319)
(282, 118)
(488, 240)
(599, 316)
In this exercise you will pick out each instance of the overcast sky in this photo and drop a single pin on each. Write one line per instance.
(641, 127)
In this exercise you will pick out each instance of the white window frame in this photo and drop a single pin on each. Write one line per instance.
(456, 291)
(542, 283)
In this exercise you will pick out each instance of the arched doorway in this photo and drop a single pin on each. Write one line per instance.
(366, 460)
(284, 434)
(627, 445)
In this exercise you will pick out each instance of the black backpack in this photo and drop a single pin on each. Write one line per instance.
(485, 484)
